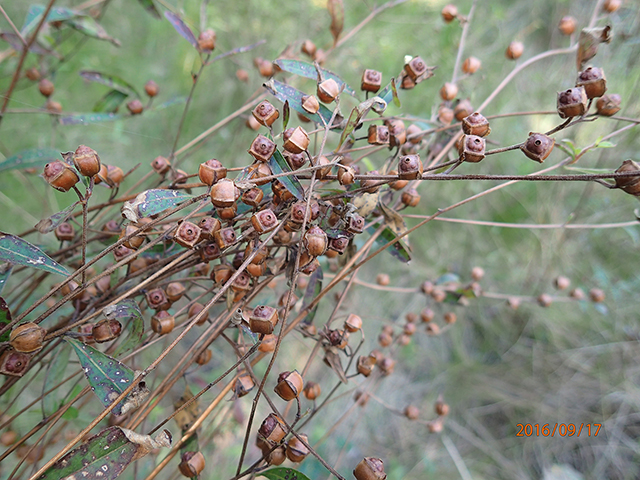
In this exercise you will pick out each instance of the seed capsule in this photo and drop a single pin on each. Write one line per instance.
(308, 48)
(244, 384)
(163, 322)
(263, 319)
(106, 330)
(514, 50)
(192, 464)
(371, 81)
(567, 25)
(397, 132)
(346, 174)
(86, 161)
(572, 102)
(296, 450)
(262, 148)
(355, 224)
(471, 148)
(187, 235)
(157, 299)
(27, 338)
(135, 107)
(476, 124)
(315, 241)
(322, 162)
(328, 90)
(211, 171)
(115, 175)
(608, 104)
(411, 412)
(630, 185)
(265, 67)
(370, 468)
(265, 113)
(14, 363)
(449, 13)
(449, 91)
(151, 88)
(596, 295)
(353, 323)
(310, 104)
(415, 68)
(378, 135)
(410, 197)
(471, 65)
(366, 364)
(289, 385)
(161, 165)
(312, 390)
(204, 357)
(298, 141)
(65, 232)
(272, 430)
(264, 221)
(60, 176)
(339, 244)
(410, 167)
(593, 81)
(538, 146)
(224, 193)
(46, 87)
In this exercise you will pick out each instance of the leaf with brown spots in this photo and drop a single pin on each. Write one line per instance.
(284, 473)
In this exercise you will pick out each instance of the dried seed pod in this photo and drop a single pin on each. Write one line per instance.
(252, 123)
(410, 167)
(346, 174)
(514, 50)
(194, 310)
(397, 132)
(449, 91)
(121, 252)
(163, 322)
(577, 294)
(561, 282)
(544, 300)
(308, 48)
(264, 221)
(261, 255)
(295, 160)
(410, 197)
(438, 295)
(106, 330)
(353, 323)
(135, 107)
(339, 244)
(426, 315)
(65, 232)
(387, 365)
(324, 164)
(310, 267)
(206, 43)
(312, 390)
(378, 135)
(60, 176)
(370, 468)
(445, 115)
(268, 343)
(263, 319)
(277, 456)
(244, 384)
(161, 165)
(175, 291)
(102, 174)
(328, 90)
(221, 274)
(608, 104)
(151, 88)
(366, 364)
(315, 241)
(136, 239)
(371, 81)
(272, 430)
(449, 13)
(630, 185)
(211, 171)
(52, 106)
(538, 146)
(476, 124)
(204, 357)
(252, 197)
(115, 175)
(415, 68)
(27, 338)
(262, 148)
(409, 329)
(46, 87)
(227, 213)
(385, 339)
(187, 235)
(477, 273)
(8, 438)
(265, 113)
(310, 104)
(32, 74)
(157, 299)
(572, 102)
(224, 193)
(567, 25)
(596, 295)
(280, 191)
(208, 225)
(192, 463)
(593, 81)
(355, 224)
(611, 6)
(414, 134)
(397, 184)
(441, 408)
(298, 213)
(471, 65)
(298, 141)
(289, 385)
(450, 317)
(265, 67)
(471, 148)
(14, 363)
(209, 251)
(370, 186)
(86, 161)
(296, 450)
(257, 270)
(383, 279)
(406, 82)
(411, 412)
(257, 173)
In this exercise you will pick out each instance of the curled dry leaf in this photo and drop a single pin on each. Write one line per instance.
(590, 39)
(336, 11)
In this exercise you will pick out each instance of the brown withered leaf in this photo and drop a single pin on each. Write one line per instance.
(336, 11)
(185, 418)
(332, 358)
(590, 39)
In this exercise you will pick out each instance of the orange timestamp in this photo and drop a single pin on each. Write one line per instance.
(561, 429)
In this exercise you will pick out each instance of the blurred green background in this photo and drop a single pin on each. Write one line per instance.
(574, 362)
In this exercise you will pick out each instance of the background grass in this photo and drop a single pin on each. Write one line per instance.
(574, 362)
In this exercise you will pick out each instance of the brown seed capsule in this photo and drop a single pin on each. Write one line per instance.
(385, 339)
(577, 294)
(106, 330)
(260, 256)
(262, 148)
(211, 171)
(561, 282)
(86, 161)
(611, 6)
(252, 123)
(208, 225)
(608, 104)
(630, 185)
(161, 165)
(355, 224)
(514, 50)
(308, 48)
(383, 279)
(265, 113)
(163, 322)
(221, 274)
(289, 385)
(65, 232)
(135, 107)
(567, 25)
(8, 438)
(445, 115)
(265, 67)
(224, 193)
(353, 323)
(204, 357)
(102, 175)
(244, 384)
(513, 303)
(27, 338)
(264, 221)
(277, 456)
(121, 252)
(33, 74)
(370, 468)
(410, 167)
(593, 81)
(366, 364)
(449, 13)
(135, 241)
(476, 124)
(572, 102)
(295, 160)
(315, 241)
(322, 162)
(242, 75)
(157, 299)
(477, 273)
(410, 197)
(296, 450)
(441, 408)
(449, 91)
(432, 329)
(52, 106)
(46, 87)
(187, 235)
(257, 270)
(371, 81)
(115, 175)
(450, 317)
(544, 300)
(298, 141)
(397, 184)
(151, 88)
(328, 90)
(346, 174)
(207, 41)
(225, 237)
(191, 464)
(14, 363)
(397, 132)
(538, 146)
(312, 390)
(60, 176)
(471, 148)
(471, 65)
(196, 309)
(415, 68)
(596, 295)
(310, 104)
(272, 429)
(411, 412)
(268, 343)
(252, 197)
(378, 135)
(339, 244)
(263, 319)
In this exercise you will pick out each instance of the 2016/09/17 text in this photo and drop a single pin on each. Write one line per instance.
(562, 429)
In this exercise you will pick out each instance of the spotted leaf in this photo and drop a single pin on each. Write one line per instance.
(284, 473)
(20, 252)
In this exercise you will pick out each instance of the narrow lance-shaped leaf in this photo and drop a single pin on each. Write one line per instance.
(55, 374)
(150, 7)
(397, 249)
(89, 27)
(112, 81)
(314, 287)
(169, 103)
(16, 43)
(308, 70)
(127, 309)
(238, 50)
(336, 11)
(153, 202)
(34, 15)
(284, 92)
(88, 118)
(278, 165)
(358, 113)
(110, 102)
(181, 28)
(49, 224)
(5, 318)
(20, 252)
(284, 473)
(5, 272)
(33, 157)
(286, 112)
(107, 376)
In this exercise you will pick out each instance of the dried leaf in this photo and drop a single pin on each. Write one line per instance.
(34, 157)
(393, 219)
(359, 112)
(49, 224)
(336, 11)
(588, 42)
(284, 473)
(20, 252)
(187, 416)
(332, 358)
(366, 203)
(314, 287)
(113, 81)
(152, 202)
(181, 28)
(146, 443)
(127, 309)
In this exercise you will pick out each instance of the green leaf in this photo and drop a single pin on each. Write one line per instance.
(605, 144)
(34, 15)
(55, 374)
(448, 278)
(110, 102)
(150, 7)
(358, 113)
(286, 112)
(181, 28)
(390, 92)
(153, 202)
(87, 118)
(106, 375)
(308, 70)
(284, 92)
(49, 224)
(103, 456)
(16, 43)
(127, 309)
(5, 319)
(238, 50)
(112, 81)
(20, 252)
(89, 27)
(71, 413)
(284, 473)
(589, 171)
(278, 165)
(314, 287)
(34, 157)
(5, 272)
(398, 250)
(169, 103)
